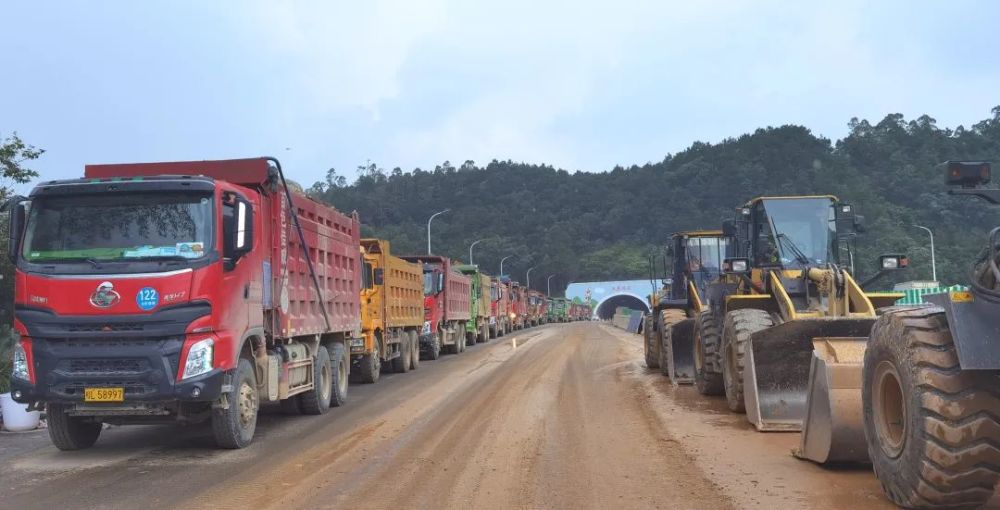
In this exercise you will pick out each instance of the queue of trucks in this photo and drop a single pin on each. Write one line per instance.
(767, 313)
(200, 291)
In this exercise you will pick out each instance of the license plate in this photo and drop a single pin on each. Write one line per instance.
(103, 394)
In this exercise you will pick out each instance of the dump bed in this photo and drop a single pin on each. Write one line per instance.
(457, 297)
(402, 291)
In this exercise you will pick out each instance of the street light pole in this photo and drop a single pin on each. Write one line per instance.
(501, 263)
(474, 243)
(933, 262)
(548, 285)
(527, 277)
(429, 229)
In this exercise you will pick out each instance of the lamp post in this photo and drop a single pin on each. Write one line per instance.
(527, 277)
(429, 229)
(548, 285)
(501, 263)
(933, 263)
(474, 243)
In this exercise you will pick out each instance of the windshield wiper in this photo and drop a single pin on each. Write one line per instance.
(799, 255)
(158, 258)
(92, 261)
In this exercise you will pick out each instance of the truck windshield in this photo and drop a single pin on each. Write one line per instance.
(119, 227)
(803, 229)
(429, 283)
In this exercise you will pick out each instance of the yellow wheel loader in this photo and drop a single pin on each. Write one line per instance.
(795, 322)
(688, 345)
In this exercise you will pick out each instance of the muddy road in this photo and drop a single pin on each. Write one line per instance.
(567, 418)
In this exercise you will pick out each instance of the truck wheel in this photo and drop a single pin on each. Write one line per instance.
(317, 400)
(401, 363)
(234, 427)
(931, 427)
(652, 357)
(340, 365)
(484, 334)
(434, 350)
(71, 432)
(414, 350)
(736, 331)
(370, 367)
(707, 377)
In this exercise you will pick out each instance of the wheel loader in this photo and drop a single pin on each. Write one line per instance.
(688, 345)
(795, 322)
(931, 384)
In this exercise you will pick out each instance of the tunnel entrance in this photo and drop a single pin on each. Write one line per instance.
(606, 310)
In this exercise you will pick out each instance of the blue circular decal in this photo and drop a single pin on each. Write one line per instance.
(147, 298)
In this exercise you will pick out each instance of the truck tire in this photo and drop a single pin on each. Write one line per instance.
(484, 334)
(461, 340)
(494, 331)
(340, 364)
(652, 358)
(370, 367)
(665, 328)
(434, 349)
(707, 340)
(414, 350)
(317, 400)
(736, 331)
(234, 427)
(931, 427)
(71, 432)
(401, 363)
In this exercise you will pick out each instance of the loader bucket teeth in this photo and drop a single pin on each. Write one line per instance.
(833, 430)
(681, 356)
(776, 373)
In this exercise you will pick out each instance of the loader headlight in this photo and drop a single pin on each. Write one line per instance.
(888, 262)
(199, 358)
(20, 370)
(736, 266)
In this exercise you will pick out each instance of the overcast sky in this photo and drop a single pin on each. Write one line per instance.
(582, 85)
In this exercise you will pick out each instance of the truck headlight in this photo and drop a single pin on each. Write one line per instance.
(20, 370)
(427, 328)
(199, 358)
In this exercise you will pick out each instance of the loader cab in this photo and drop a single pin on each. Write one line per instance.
(695, 259)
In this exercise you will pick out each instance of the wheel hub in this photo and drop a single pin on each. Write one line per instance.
(889, 409)
(248, 404)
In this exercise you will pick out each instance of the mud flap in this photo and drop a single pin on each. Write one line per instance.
(777, 365)
(680, 359)
(834, 430)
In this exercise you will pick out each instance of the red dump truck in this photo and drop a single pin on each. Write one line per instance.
(535, 309)
(518, 306)
(447, 306)
(500, 309)
(188, 291)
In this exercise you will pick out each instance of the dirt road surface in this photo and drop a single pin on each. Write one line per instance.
(566, 418)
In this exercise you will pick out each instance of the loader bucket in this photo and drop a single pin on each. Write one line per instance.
(834, 429)
(776, 368)
(680, 357)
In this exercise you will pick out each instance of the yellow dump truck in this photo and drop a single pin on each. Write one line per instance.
(392, 312)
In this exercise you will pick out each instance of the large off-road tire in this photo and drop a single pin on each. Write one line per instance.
(401, 364)
(434, 349)
(736, 331)
(234, 427)
(932, 428)
(370, 367)
(651, 351)
(71, 432)
(317, 400)
(414, 350)
(707, 362)
(340, 364)
(664, 328)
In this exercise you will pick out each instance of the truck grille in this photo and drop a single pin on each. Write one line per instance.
(85, 367)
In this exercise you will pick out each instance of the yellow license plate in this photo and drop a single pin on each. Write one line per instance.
(103, 394)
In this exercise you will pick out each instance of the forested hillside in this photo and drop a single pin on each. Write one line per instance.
(591, 226)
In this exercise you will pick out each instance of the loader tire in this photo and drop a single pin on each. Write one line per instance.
(736, 331)
(71, 432)
(652, 357)
(931, 427)
(665, 328)
(707, 366)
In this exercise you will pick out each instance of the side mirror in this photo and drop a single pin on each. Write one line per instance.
(18, 213)
(440, 285)
(243, 233)
(379, 276)
(893, 262)
(737, 266)
(729, 228)
(859, 224)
